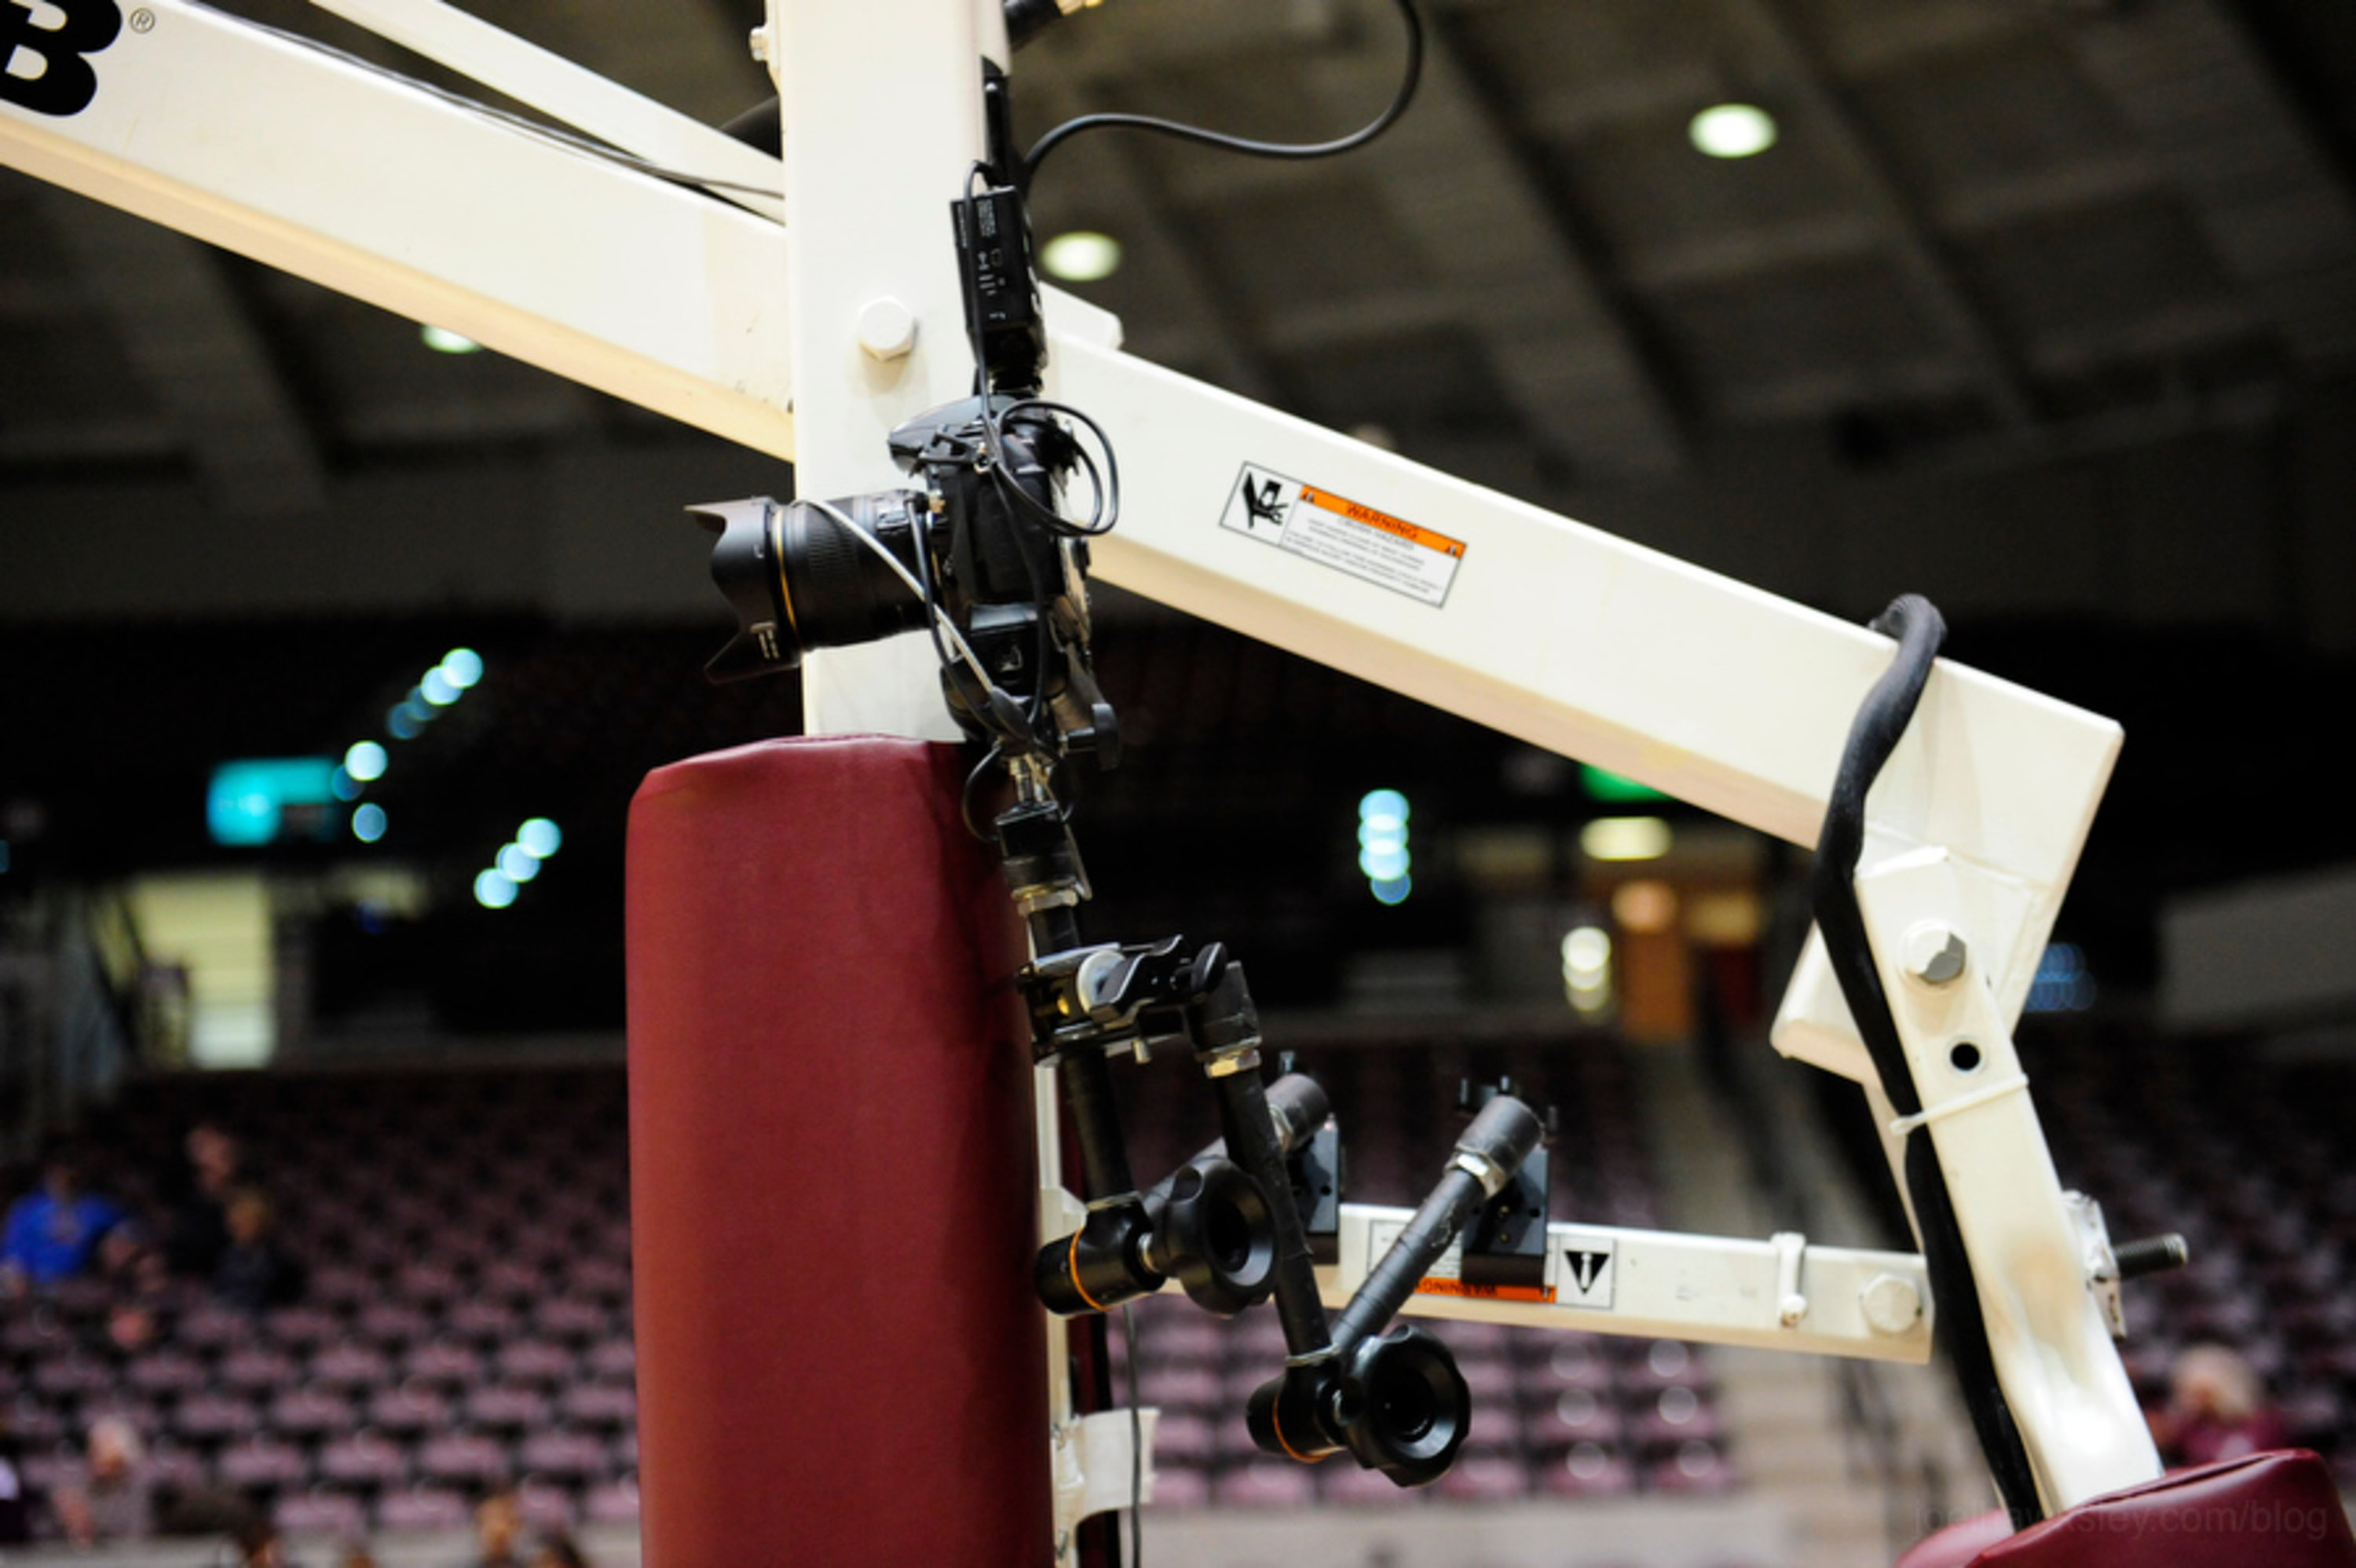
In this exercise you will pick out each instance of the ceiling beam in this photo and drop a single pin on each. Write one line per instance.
(1782, 60)
(1741, 253)
(197, 352)
(1571, 364)
(2183, 74)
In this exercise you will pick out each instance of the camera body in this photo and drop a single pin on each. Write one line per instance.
(979, 553)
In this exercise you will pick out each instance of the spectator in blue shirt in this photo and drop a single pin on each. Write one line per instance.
(54, 1234)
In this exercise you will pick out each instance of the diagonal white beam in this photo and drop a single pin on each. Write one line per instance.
(574, 95)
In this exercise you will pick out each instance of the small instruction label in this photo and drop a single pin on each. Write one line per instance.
(1372, 546)
(1583, 1270)
(1446, 1276)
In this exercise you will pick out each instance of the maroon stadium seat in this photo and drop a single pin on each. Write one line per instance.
(262, 1464)
(408, 1410)
(166, 1372)
(258, 1370)
(424, 1507)
(616, 1502)
(1343, 1483)
(469, 1459)
(606, 1406)
(320, 1513)
(213, 1418)
(1264, 1483)
(312, 1413)
(1695, 1466)
(565, 1456)
(1485, 1478)
(350, 1367)
(506, 1408)
(364, 1460)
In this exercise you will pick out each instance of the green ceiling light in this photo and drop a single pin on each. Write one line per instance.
(442, 340)
(1732, 131)
(1082, 256)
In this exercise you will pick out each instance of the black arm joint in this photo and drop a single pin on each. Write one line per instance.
(1100, 1265)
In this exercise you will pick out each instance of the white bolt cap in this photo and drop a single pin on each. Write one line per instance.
(760, 43)
(1891, 1304)
(1931, 951)
(887, 329)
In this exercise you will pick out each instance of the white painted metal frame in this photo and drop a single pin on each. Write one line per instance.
(809, 341)
(1780, 1293)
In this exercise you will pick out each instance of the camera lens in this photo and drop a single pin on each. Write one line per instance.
(799, 578)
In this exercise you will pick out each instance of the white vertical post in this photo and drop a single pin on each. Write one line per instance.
(881, 107)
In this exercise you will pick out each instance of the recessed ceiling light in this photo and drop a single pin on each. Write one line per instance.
(1082, 256)
(1733, 130)
(442, 340)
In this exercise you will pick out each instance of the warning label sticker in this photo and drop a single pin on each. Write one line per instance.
(1446, 1276)
(1373, 546)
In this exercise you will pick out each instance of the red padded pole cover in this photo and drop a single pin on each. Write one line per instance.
(832, 1186)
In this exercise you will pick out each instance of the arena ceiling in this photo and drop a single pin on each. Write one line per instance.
(1993, 237)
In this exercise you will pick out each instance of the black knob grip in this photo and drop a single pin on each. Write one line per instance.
(1214, 1234)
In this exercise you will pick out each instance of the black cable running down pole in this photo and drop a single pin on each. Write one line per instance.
(1880, 720)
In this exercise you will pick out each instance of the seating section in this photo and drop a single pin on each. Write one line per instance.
(2247, 1156)
(467, 1322)
(1555, 1414)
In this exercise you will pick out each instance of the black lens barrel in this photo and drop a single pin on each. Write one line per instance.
(798, 576)
(838, 590)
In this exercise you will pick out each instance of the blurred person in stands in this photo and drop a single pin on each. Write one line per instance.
(255, 1273)
(54, 1234)
(118, 1501)
(2217, 1409)
(557, 1551)
(499, 1531)
(198, 1232)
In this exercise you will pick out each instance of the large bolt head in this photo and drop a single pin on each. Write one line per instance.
(887, 329)
(1931, 951)
(1891, 1304)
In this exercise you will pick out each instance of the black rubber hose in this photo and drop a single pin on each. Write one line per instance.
(1881, 721)
(1087, 1079)
(1251, 1144)
(1299, 1107)
(1391, 1281)
(1502, 1134)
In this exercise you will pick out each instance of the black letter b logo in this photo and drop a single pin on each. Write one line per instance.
(43, 49)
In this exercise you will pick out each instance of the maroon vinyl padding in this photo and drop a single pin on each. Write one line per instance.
(2266, 1510)
(832, 1186)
